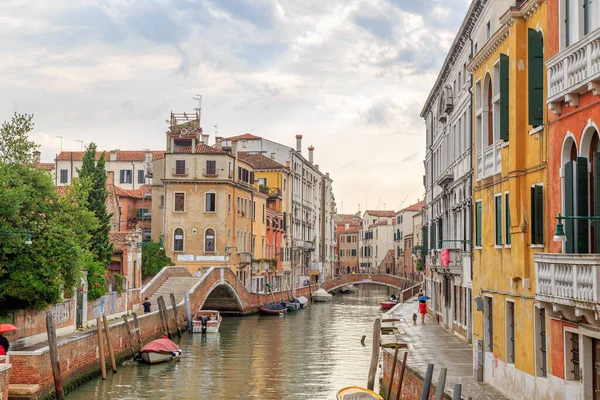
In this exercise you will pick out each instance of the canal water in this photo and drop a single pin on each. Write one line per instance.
(309, 354)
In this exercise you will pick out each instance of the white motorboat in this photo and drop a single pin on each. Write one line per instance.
(302, 301)
(206, 321)
(321, 296)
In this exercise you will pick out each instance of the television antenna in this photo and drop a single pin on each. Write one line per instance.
(198, 109)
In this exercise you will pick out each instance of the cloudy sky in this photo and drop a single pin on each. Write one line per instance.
(350, 75)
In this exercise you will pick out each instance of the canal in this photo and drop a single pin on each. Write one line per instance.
(309, 354)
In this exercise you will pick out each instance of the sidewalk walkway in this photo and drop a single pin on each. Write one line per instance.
(431, 343)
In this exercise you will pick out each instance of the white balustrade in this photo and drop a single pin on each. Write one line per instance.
(489, 161)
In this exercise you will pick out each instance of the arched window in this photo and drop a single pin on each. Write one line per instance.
(178, 240)
(209, 241)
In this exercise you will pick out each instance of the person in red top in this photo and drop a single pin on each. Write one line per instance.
(4, 345)
(422, 307)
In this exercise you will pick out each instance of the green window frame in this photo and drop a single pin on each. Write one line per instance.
(504, 93)
(498, 219)
(537, 214)
(507, 218)
(535, 77)
(478, 223)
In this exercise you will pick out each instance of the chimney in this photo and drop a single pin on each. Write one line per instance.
(205, 138)
(272, 156)
(219, 142)
(113, 155)
(234, 147)
(299, 143)
(346, 227)
(317, 166)
(311, 149)
(110, 178)
(36, 156)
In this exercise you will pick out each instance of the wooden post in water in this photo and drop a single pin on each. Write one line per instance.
(290, 297)
(272, 295)
(111, 353)
(427, 383)
(374, 354)
(441, 385)
(457, 394)
(281, 293)
(310, 291)
(188, 310)
(101, 347)
(174, 305)
(129, 335)
(162, 310)
(138, 333)
(51, 330)
(402, 368)
(389, 391)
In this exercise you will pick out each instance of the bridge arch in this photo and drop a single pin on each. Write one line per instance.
(392, 281)
(222, 296)
(331, 289)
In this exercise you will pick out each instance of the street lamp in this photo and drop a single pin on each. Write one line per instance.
(559, 235)
(12, 232)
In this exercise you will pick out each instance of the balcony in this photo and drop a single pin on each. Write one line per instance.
(245, 258)
(574, 71)
(489, 161)
(569, 283)
(457, 260)
(446, 178)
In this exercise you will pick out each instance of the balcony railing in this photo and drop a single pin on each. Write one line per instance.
(568, 279)
(573, 68)
(489, 161)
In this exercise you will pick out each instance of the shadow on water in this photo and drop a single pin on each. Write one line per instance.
(309, 354)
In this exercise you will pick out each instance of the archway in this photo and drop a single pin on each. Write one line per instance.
(223, 297)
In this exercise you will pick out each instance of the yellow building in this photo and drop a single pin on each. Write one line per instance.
(510, 147)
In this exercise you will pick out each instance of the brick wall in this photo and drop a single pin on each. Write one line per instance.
(4, 375)
(413, 381)
(33, 322)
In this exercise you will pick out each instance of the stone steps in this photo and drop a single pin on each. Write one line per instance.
(176, 285)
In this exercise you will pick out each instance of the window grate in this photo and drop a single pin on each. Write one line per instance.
(542, 316)
(490, 325)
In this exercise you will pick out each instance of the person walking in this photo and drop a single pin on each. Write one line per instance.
(422, 307)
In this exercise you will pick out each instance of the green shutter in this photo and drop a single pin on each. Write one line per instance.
(498, 220)
(569, 206)
(566, 5)
(535, 74)
(432, 244)
(581, 204)
(538, 200)
(596, 201)
(507, 217)
(478, 224)
(504, 80)
(425, 239)
(533, 214)
(440, 235)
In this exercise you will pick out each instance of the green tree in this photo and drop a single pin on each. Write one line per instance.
(35, 275)
(153, 259)
(14, 144)
(93, 177)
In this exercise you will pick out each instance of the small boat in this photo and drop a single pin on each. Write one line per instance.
(292, 306)
(357, 393)
(206, 321)
(386, 305)
(273, 309)
(344, 289)
(322, 296)
(302, 301)
(160, 350)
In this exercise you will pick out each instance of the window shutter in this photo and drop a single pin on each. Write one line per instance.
(440, 235)
(567, 6)
(122, 176)
(478, 224)
(425, 238)
(596, 201)
(507, 217)
(432, 244)
(498, 220)
(586, 17)
(581, 204)
(252, 178)
(504, 81)
(535, 75)
(539, 214)
(569, 206)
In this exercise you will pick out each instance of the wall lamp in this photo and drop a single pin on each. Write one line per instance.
(560, 235)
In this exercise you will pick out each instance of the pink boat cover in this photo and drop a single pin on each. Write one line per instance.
(162, 345)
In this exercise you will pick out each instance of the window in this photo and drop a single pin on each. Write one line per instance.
(477, 223)
(262, 181)
(488, 30)
(209, 241)
(353, 252)
(537, 214)
(504, 93)
(510, 332)
(64, 175)
(540, 342)
(179, 167)
(141, 176)
(162, 201)
(263, 213)
(211, 202)
(254, 210)
(211, 167)
(179, 202)
(572, 369)
(488, 324)
(126, 176)
(498, 219)
(490, 114)
(507, 218)
(229, 203)
(284, 184)
(178, 240)
(535, 77)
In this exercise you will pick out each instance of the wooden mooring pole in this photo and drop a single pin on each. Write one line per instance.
(402, 368)
(129, 336)
(52, 343)
(374, 354)
(441, 385)
(389, 391)
(137, 330)
(174, 305)
(111, 353)
(101, 347)
(163, 316)
(188, 310)
(427, 383)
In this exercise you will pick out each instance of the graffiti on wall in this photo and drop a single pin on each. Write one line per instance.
(111, 303)
(61, 312)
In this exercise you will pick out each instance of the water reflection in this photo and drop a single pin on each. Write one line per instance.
(305, 355)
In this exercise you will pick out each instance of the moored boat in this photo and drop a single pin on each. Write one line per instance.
(357, 393)
(273, 309)
(322, 296)
(386, 305)
(302, 301)
(351, 288)
(206, 321)
(160, 350)
(292, 306)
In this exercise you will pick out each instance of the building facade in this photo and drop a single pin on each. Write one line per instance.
(510, 158)
(376, 238)
(567, 280)
(404, 237)
(347, 243)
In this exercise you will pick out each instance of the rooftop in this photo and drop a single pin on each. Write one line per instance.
(122, 155)
(258, 161)
(381, 213)
(135, 193)
(119, 240)
(201, 148)
(415, 207)
(245, 136)
(46, 166)
(378, 223)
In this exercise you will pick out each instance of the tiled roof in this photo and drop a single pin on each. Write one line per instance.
(135, 193)
(381, 213)
(415, 207)
(245, 136)
(351, 219)
(122, 155)
(379, 223)
(45, 165)
(119, 240)
(351, 229)
(258, 161)
(201, 148)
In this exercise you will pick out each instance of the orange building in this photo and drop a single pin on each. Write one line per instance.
(346, 252)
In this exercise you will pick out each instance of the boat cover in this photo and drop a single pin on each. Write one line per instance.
(163, 345)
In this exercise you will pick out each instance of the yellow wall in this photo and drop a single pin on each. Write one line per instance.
(260, 228)
(523, 164)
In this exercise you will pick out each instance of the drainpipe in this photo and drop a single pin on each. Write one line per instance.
(471, 164)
